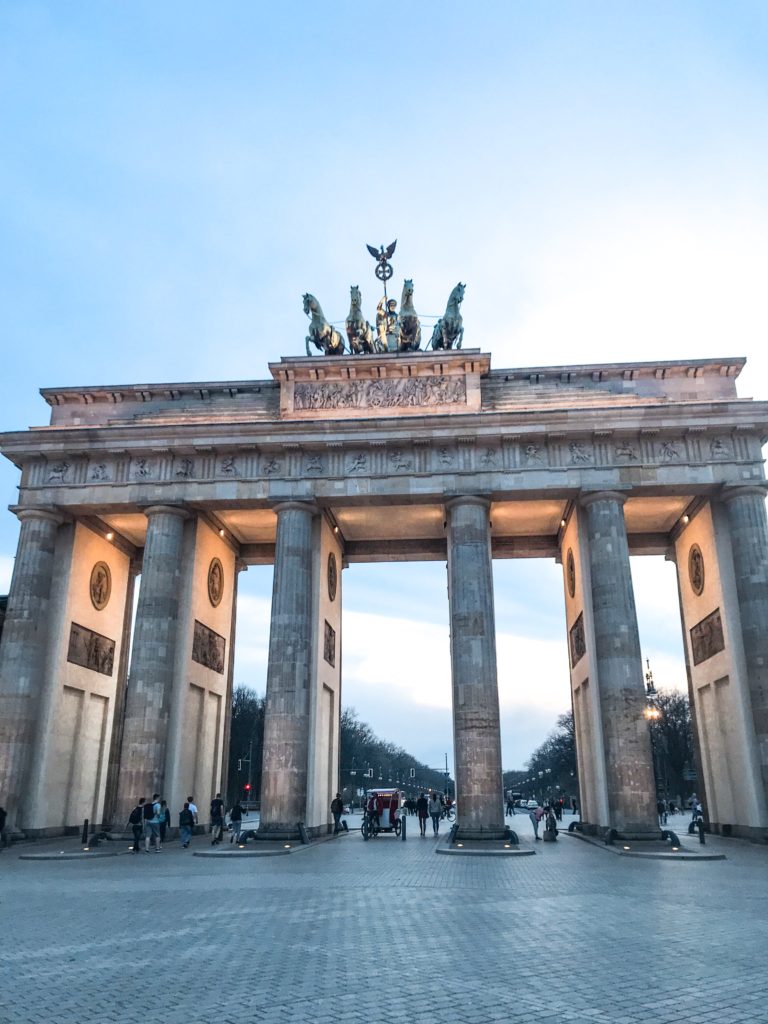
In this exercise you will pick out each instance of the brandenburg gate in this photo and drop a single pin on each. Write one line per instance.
(390, 455)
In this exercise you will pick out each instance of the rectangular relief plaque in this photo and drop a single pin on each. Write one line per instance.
(91, 650)
(707, 637)
(329, 646)
(576, 641)
(208, 648)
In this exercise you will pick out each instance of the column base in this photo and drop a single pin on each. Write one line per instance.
(278, 832)
(491, 832)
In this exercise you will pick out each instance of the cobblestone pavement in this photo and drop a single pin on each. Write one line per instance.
(386, 931)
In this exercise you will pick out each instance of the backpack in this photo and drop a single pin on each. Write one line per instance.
(148, 812)
(134, 818)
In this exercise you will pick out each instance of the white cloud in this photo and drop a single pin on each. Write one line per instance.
(6, 571)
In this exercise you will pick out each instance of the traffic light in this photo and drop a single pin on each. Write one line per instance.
(239, 764)
(413, 773)
(247, 787)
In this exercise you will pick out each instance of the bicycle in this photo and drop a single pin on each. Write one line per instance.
(448, 813)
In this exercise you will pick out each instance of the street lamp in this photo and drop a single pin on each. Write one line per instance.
(651, 712)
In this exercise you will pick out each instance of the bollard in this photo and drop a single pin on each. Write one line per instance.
(402, 827)
(85, 833)
(700, 823)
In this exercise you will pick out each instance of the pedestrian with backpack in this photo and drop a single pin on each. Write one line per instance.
(217, 819)
(186, 824)
(136, 821)
(236, 821)
(153, 815)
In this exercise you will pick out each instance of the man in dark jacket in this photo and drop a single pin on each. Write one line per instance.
(337, 809)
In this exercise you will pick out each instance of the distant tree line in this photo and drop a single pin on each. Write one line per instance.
(551, 769)
(365, 761)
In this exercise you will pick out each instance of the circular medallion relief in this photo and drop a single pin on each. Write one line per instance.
(333, 576)
(570, 573)
(696, 569)
(100, 585)
(215, 582)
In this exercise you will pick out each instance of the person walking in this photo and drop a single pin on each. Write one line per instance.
(136, 821)
(236, 821)
(152, 821)
(193, 807)
(165, 820)
(217, 819)
(435, 810)
(337, 809)
(186, 824)
(422, 809)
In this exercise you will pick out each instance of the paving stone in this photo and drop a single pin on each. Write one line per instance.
(360, 932)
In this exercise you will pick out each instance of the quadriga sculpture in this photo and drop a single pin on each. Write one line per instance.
(449, 329)
(359, 331)
(409, 338)
(321, 334)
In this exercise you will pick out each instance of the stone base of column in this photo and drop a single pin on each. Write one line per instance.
(474, 834)
(278, 833)
(639, 837)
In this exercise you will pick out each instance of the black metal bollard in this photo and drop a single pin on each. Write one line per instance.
(700, 824)
(403, 827)
(85, 833)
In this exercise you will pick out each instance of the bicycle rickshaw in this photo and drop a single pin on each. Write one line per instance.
(387, 812)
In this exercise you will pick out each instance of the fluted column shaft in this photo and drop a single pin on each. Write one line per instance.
(23, 653)
(150, 683)
(745, 507)
(618, 660)
(286, 721)
(477, 736)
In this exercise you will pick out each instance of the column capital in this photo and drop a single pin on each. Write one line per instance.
(297, 505)
(171, 510)
(731, 491)
(589, 497)
(51, 515)
(467, 499)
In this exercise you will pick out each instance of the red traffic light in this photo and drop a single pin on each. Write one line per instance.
(247, 787)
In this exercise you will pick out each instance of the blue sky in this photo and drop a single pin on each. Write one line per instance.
(174, 176)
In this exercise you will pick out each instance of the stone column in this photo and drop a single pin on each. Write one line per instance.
(23, 653)
(477, 736)
(745, 508)
(619, 669)
(289, 674)
(150, 683)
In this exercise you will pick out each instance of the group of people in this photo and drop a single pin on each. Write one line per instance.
(150, 819)
(429, 805)
(548, 813)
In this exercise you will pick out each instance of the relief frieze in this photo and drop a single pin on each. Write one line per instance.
(577, 641)
(707, 638)
(90, 649)
(208, 648)
(669, 451)
(626, 452)
(580, 453)
(58, 473)
(380, 394)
